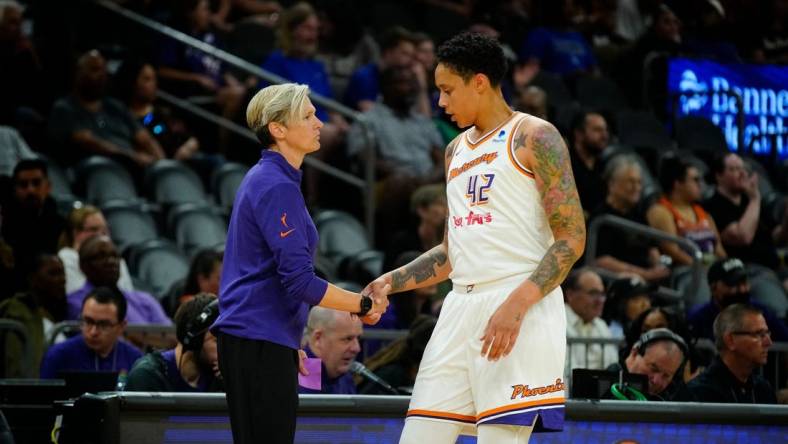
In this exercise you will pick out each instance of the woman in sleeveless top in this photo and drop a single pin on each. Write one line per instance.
(677, 213)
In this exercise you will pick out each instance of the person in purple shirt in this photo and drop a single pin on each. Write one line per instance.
(99, 347)
(268, 279)
(333, 336)
(100, 261)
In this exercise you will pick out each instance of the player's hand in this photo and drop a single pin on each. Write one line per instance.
(378, 290)
(502, 329)
(301, 366)
(371, 319)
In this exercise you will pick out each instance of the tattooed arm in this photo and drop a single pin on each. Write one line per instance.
(542, 150)
(428, 269)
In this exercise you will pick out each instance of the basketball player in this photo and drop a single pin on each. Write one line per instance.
(495, 363)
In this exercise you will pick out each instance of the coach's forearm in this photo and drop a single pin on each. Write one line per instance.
(341, 299)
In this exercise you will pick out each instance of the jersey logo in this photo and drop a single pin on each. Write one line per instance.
(487, 158)
(523, 391)
(472, 219)
(500, 137)
(285, 233)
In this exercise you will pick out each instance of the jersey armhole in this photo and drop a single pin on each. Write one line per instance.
(510, 150)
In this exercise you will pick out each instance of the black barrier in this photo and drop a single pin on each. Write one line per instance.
(113, 418)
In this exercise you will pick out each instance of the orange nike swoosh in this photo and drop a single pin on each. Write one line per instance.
(286, 233)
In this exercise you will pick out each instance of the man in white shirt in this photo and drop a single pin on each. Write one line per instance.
(585, 298)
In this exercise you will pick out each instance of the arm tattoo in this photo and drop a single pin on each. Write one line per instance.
(421, 269)
(553, 173)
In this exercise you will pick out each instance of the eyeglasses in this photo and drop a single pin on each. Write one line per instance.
(595, 293)
(86, 323)
(758, 334)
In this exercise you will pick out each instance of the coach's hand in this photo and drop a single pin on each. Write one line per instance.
(503, 327)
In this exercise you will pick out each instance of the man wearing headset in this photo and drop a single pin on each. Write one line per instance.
(658, 354)
(192, 366)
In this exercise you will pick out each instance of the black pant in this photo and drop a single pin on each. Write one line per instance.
(261, 379)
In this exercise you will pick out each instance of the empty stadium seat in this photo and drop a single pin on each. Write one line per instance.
(196, 226)
(170, 182)
(558, 94)
(699, 134)
(60, 181)
(364, 266)
(341, 235)
(159, 263)
(225, 182)
(100, 179)
(600, 93)
(642, 129)
(130, 222)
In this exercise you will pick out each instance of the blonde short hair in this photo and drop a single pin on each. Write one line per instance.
(275, 103)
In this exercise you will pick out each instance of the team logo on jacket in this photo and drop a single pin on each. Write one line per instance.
(286, 232)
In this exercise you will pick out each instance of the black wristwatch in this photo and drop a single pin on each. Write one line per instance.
(364, 306)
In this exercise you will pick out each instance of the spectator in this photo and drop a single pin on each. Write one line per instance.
(22, 76)
(192, 366)
(620, 250)
(729, 285)
(100, 262)
(333, 336)
(589, 139)
(99, 346)
(711, 36)
(6, 265)
(136, 85)
(408, 144)
(658, 354)
(13, 148)
(557, 47)
(203, 277)
(585, 297)
(192, 72)
(532, 100)
(38, 309)
(653, 318)
(633, 17)
(430, 210)
(88, 122)
(743, 339)
(398, 363)
(771, 40)
(295, 60)
(397, 49)
(31, 224)
(678, 213)
(84, 222)
(736, 207)
(627, 299)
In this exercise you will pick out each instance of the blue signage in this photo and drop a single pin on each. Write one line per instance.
(722, 92)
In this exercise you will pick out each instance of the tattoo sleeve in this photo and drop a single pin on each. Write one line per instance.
(421, 269)
(553, 174)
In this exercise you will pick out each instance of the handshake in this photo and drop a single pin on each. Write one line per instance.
(378, 290)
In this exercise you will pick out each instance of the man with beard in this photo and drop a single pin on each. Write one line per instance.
(332, 336)
(100, 262)
(743, 339)
(590, 137)
(87, 122)
(192, 366)
(99, 346)
(38, 310)
(31, 224)
(729, 285)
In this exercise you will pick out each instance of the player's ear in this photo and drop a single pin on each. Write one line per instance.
(480, 82)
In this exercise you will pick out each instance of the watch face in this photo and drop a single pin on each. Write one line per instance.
(366, 304)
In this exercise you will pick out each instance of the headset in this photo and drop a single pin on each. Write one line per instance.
(660, 334)
(198, 326)
(626, 393)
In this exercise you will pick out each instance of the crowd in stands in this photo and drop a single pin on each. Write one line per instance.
(113, 207)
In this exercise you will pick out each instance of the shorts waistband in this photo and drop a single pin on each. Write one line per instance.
(491, 285)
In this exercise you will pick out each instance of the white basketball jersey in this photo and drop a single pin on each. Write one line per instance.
(497, 225)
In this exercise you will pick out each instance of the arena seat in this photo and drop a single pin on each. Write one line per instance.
(341, 235)
(100, 179)
(558, 95)
(196, 226)
(225, 182)
(159, 263)
(130, 222)
(641, 129)
(600, 93)
(170, 182)
(699, 134)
